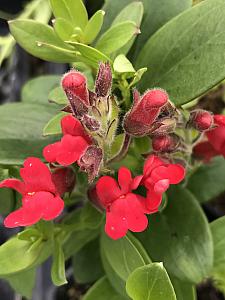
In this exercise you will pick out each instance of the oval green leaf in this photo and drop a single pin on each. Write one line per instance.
(116, 37)
(93, 27)
(58, 265)
(150, 282)
(182, 57)
(63, 29)
(54, 125)
(102, 290)
(41, 41)
(180, 237)
(58, 96)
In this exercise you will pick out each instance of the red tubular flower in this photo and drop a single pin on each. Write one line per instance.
(140, 120)
(158, 175)
(216, 141)
(124, 210)
(41, 198)
(71, 147)
(75, 86)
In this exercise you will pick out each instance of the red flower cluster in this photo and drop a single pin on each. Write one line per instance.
(215, 143)
(72, 146)
(126, 210)
(40, 196)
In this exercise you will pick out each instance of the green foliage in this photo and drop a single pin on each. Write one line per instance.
(182, 59)
(58, 96)
(218, 273)
(150, 282)
(93, 27)
(183, 290)
(87, 263)
(23, 282)
(41, 41)
(120, 258)
(26, 140)
(54, 125)
(116, 37)
(58, 265)
(102, 290)
(36, 90)
(183, 245)
(156, 14)
(207, 181)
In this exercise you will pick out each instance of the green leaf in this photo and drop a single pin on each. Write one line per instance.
(7, 201)
(58, 96)
(58, 266)
(21, 127)
(23, 255)
(36, 90)
(102, 290)
(41, 41)
(63, 29)
(150, 282)
(54, 125)
(120, 258)
(180, 237)
(90, 55)
(132, 12)
(116, 37)
(142, 145)
(23, 282)
(112, 8)
(123, 65)
(207, 181)
(71, 10)
(218, 273)
(183, 60)
(87, 265)
(93, 27)
(156, 14)
(137, 76)
(77, 240)
(183, 290)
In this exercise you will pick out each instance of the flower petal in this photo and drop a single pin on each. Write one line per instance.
(175, 173)
(72, 148)
(136, 182)
(125, 180)
(115, 227)
(161, 186)
(151, 163)
(22, 217)
(129, 209)
(153, 201)
(37, 176)
(15, 184)
(107, 190)
(53, 208)
(205, 151)
(50, 152)
(72, 126)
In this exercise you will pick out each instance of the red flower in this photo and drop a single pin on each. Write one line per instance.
(41, 199)
(158, 175)
(216, 140)
(124, 210)
(71, 147)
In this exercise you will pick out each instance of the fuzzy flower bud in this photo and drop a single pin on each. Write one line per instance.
(201, 120)
(140, 120)
(165, 143)
(103, 82)
(75, 86)
(65, 179)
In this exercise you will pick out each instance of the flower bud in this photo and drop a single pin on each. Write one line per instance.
(91, 123)
(91, 161)
(75, 86)
(103, 82)
(201, 120)
(93, 197)
(139, 121)
(165, 143)
(64, 179)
